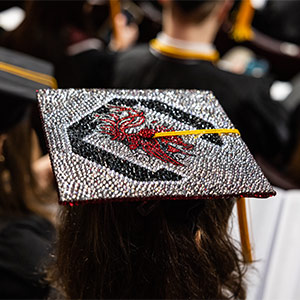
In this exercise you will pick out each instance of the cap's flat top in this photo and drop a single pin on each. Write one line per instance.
(100, 149)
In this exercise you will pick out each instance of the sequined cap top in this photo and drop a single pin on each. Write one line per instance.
(102, 146)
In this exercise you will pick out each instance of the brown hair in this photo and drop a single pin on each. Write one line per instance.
(195, 11)
(19, 192)
(110, 250)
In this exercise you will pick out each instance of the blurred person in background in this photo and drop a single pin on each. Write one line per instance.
(64, 33)
(279, 20)
(183, 56)
(26, 230)
(270, 29)
(27, 201)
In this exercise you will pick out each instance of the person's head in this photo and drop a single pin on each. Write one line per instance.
(196, 12)
(179, 249)
(194, 20)
(19, 193)
(148, 208)
(15, 157)
(15, 170)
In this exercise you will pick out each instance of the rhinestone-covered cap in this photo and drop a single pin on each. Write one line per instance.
(101, 146)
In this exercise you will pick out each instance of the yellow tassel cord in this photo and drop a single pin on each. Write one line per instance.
(241, 203)
(182, 53)
(196, 132)
(115, 9)
(244, 231)
(242, 28)
(28, 74)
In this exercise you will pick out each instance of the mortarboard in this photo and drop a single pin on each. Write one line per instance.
(20, 76)
(139, 145)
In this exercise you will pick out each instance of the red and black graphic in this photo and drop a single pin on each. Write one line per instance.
(127, 125)
(78, 132)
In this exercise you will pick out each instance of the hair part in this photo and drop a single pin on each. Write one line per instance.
(111, 251)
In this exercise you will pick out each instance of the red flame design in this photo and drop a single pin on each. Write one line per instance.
(117, 123)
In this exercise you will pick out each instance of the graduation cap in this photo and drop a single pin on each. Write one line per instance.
(139, 145)
(20, 76)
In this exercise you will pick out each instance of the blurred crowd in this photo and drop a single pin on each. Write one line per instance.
(135, 44)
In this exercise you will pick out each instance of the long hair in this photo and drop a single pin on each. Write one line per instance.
(19, 192)
(111, 251)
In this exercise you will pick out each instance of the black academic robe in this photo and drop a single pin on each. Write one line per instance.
(25, 244)
(246, 100)
(89, 69)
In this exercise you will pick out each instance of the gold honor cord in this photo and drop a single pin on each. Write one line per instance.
(196, 132)
(182, 53)
(28, 74)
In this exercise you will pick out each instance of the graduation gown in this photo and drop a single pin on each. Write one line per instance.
(25, 245)
(88, 69)
(246, 100)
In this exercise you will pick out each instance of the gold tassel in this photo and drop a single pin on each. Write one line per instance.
(115, 9)
(244, 231)
(242, 28)
(196, 132)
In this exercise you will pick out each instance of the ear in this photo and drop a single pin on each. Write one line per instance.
(224, 10)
